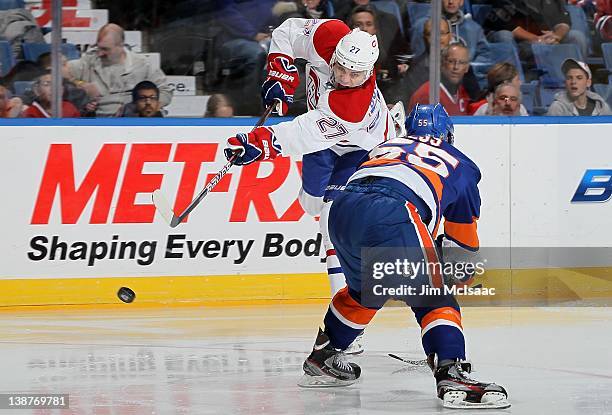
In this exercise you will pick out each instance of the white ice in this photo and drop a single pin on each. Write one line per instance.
(246, 360)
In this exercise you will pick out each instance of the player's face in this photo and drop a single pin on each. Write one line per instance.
(147, 102)
(347, 78)
(452, 6)
(365, 22)
(576, 82)
(456, 64)
(507, 101)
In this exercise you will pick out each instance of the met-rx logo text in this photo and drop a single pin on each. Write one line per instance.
(596, 186)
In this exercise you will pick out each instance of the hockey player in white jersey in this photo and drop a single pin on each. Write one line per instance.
(347, 113)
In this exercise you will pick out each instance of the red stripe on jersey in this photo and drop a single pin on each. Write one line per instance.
(352, 104)
(327, 36)
(331, 252)
(273, 56)
(386, 136)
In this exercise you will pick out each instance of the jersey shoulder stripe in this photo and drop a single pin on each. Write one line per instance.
(326, 37)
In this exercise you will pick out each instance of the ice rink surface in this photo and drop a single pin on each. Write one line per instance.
(246, 360)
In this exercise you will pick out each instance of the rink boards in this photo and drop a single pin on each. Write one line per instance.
(79, 222)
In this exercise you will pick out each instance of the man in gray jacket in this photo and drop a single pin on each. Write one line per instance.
(110, 72)
(577, 99)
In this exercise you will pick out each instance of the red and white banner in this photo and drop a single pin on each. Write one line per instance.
(77, 200)
(80, 205)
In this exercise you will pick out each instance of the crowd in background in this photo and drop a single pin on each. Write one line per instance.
(493, 56)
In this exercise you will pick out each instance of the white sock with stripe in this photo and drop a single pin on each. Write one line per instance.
(337, 280)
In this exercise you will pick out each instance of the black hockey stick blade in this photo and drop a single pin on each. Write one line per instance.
(422, 362)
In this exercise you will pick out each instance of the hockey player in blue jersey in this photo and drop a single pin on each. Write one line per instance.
(394, 204)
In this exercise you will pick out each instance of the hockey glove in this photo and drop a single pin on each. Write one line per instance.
(258, 145)
(459, 265)
(281, 82)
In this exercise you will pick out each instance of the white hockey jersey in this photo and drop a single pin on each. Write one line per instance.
(341, 119)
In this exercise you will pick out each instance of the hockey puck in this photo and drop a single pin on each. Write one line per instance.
(126, 295)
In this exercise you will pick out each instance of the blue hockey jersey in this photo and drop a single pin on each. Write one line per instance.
(439, 174)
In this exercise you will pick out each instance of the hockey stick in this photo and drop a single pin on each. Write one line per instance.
(410, 362)
(163, 206)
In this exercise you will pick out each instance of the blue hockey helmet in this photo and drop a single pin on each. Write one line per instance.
(430, 120)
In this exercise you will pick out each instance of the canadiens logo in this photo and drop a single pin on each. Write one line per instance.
(312, 89)
(309, 26)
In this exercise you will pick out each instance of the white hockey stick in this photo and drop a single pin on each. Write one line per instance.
(163, 206)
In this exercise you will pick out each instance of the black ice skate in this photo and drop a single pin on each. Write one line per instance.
(327, 366)
(459, 391)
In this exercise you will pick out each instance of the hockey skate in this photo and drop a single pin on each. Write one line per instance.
(327, 367)
(356, 347)
(459, 391)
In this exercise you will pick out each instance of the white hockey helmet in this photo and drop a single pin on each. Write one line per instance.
(357, 51)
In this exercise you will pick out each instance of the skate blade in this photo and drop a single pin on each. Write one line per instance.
(354, 350)
(323, 381)
(490, 400)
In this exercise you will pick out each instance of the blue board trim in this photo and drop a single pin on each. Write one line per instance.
(250, 121)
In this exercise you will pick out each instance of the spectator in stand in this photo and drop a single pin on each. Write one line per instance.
(462, 28)
(344, 8)
(418, 71)
(219, 105)
(506, 100)
(532, 21)
(305, 9)
(23, 71)
(603, 20)
(243, 49)
(455, 64)
(391, 44)
(110, 71)
(41, 106)
(72, 93)
(577, 99)
(500, 73)
(10, 107)
(145, 101)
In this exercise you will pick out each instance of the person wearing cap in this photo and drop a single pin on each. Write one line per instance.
(578, 99)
